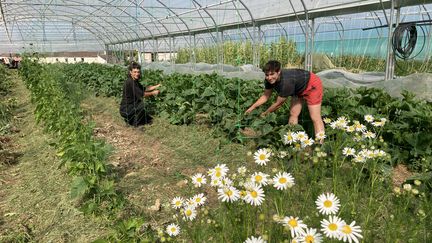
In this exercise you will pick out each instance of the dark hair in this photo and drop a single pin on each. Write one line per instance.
(132, 66)
(272, 66)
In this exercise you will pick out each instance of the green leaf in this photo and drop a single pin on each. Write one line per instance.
(79, 187)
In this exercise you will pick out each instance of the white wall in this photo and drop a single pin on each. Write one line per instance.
(97, 59)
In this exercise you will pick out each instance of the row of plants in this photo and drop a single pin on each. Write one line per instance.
(239, 53)
(7, 104)
(57, 107)
(221, 103)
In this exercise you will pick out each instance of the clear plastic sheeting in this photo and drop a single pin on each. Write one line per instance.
(419, 84)
(246, 72)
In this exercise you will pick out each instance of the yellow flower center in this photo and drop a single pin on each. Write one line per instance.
(229, 193)
(262, 157)
(332, 227)
(282, 180)
(293, 223)
(178, 203)
(188, 212)
(347, 229)
(327, 203)
(218, 169)
(173, 229)
(309, 239)
(254, 194)
(243, 193)
(258, 178)
(199, 179)
(218, 174)
(198, 200)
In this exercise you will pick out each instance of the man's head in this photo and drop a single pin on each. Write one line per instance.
(134, 70)
(272, 70)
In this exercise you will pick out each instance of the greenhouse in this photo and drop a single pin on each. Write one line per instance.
(216, 121)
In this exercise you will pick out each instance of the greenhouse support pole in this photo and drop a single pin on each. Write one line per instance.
(107, 52)
(256, 41)
(312, 49)
(389, 72)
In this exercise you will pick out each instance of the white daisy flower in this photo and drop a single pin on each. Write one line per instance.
(307, 142)
(173, 230)
(262, 156)
(383, 120)
(283, 154)
(359, 159)
(282, 181)
(189, 213)
(359, 127)
(255, 195)
(254, 239)
(295, 225)
(300, 136)
(288, 138)
(351, 233)
(177, 202)
(333, 125)
(332, 227)
(310, 235)
(198, 180)
(369, 134)
(407, 187)
(369, 118)
(295, 240)
(327, 203)
(350, 129)
(199, 199)
(378, 124)
(380, 153)
(190, 203)
(320, 135)
(215, 182)
(347, 151)
(342, 122)
(327, 120)
(226, 182)
(219, 171)
(228, 194)
(260, 178)
(242, 170)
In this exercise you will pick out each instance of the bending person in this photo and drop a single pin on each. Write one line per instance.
(298, 83)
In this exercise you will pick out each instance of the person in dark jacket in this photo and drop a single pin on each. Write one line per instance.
(132, 106)
(302, 85)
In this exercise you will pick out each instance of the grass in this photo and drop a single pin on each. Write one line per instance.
(35, 201)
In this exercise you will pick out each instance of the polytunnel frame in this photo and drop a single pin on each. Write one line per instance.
(218, 30)
(85, 19)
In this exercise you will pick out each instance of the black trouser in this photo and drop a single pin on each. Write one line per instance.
(136, 116)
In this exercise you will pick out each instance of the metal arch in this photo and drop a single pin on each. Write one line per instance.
(242, 20)
(77, 23)
(169, 9)
(429, 32)
(135, 18)
(151, 15)
(4, 21)
(66, 19)
(381, 23)
(211, 17)
(61, 10)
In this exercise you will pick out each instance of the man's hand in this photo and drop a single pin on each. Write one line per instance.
(155, 92)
